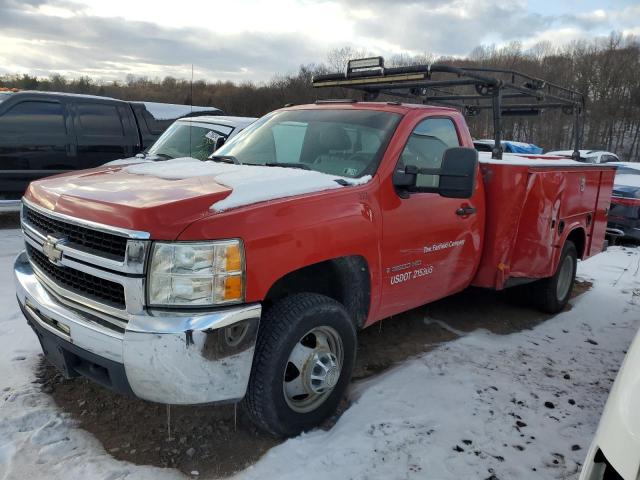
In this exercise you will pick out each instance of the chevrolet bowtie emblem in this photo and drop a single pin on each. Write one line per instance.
(51, 250)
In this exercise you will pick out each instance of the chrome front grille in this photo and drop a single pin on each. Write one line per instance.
(83, 238)
(93, 267)
(82, 283)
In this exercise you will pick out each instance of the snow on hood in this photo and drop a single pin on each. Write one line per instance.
(250, 183)
(126, 161)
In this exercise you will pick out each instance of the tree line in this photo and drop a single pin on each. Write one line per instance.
(606, 71)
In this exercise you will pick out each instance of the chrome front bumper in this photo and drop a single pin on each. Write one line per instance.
(167, 357)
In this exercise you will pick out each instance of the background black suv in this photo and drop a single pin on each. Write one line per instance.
(45, 133)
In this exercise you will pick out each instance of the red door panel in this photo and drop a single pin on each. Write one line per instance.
(429, 250)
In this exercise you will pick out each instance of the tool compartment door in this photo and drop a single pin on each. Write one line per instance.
(534, 249)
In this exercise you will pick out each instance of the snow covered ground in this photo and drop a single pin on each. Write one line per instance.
(516, 406)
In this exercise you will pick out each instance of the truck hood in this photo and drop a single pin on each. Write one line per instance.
(162, 198)
(114, 196)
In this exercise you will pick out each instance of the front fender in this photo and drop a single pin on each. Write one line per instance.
(285, 235)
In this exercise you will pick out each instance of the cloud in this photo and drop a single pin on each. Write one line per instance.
(452, 29)
(64, 36)
(97, 44)
(458, 26)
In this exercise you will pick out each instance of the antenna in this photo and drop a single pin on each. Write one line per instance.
(191, 113)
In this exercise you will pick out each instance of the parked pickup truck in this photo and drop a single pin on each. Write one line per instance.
(246, 277)
(46, 133)
(624, 214)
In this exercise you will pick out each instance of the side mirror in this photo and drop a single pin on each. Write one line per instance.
(219, 142)
(456, 175)
(458, 172)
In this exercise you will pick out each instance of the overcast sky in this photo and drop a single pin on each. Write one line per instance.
(253, 40)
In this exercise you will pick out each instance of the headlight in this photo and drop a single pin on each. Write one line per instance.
(196, 274)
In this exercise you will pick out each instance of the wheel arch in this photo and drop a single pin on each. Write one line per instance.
(345, 279)
(579, 238)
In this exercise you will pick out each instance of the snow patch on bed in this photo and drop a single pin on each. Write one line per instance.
(539, 160)
(250, 183)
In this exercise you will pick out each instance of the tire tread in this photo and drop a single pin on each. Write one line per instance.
(543, 292)
(277, 323)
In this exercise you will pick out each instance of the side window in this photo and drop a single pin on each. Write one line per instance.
(426, 145)
(155, 125)
(99, 119)
(33, 118)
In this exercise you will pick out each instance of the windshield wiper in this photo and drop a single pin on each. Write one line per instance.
(225, 159)
(235, 161)
(163, 156)
(303, 166)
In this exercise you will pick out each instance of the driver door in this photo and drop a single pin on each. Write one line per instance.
(430, 250)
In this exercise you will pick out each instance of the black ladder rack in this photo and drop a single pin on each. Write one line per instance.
(526, 95)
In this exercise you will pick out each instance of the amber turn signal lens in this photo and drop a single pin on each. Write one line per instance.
(233, 288)
(234, 258)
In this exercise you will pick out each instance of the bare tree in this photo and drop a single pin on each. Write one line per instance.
(607, 71)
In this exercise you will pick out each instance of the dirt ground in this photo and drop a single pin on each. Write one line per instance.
(219, 440)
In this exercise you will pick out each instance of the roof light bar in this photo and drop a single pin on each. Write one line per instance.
(365, 64)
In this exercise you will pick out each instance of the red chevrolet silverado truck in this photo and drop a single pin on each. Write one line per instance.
(246, 277)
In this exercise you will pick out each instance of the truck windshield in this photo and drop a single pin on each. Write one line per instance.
(341, 142)
(189, 139)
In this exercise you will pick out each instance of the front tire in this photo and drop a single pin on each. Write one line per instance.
(552, 294)
(302, 364)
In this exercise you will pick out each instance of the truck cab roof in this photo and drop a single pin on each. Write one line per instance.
(394, 107)
(159, 110)
(42, 94)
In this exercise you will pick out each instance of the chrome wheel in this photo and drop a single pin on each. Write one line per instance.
(565, 277)
(313, 369)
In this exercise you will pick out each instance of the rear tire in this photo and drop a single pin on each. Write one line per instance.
(302, 364)
(552, 294)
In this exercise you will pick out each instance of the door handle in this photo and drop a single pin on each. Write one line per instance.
(466, 210)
